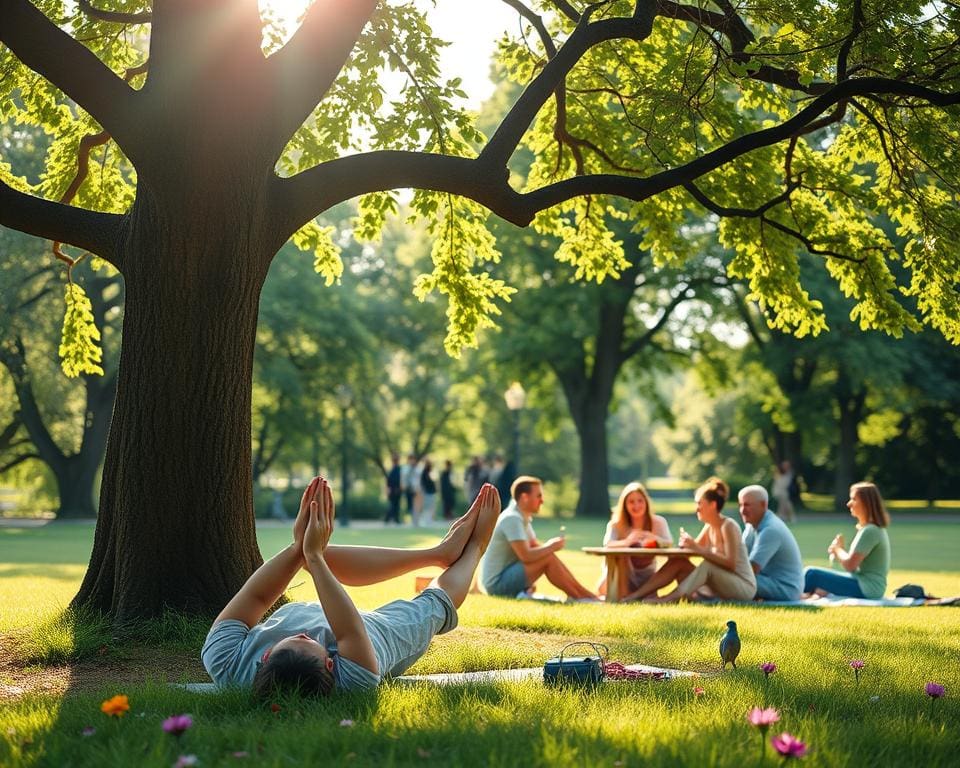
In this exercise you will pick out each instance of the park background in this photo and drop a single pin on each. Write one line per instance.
(346, 373)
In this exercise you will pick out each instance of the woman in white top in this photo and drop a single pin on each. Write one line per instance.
(725, 571)
(633, 524)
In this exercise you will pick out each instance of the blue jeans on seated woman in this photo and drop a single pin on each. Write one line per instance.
(832, 582)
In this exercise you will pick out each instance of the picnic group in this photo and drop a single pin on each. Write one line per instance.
(326, 645)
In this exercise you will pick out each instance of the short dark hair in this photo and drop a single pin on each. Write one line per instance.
(286, 671)
(523, 484)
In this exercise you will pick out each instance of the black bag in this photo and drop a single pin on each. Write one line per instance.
(576, 670)
(910, 590)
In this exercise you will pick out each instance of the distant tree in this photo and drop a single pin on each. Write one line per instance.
(585, 335)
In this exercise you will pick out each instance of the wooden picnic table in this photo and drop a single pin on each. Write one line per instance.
(617, 576)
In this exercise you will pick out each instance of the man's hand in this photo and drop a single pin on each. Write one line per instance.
(303, 515)
(320, 523)
(556, 543)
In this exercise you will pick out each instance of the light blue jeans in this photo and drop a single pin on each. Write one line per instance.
(832, 582)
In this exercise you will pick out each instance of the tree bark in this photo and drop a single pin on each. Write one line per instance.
(179, 455)
(591, 423)
(851, 414)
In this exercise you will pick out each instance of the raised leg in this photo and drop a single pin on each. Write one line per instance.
(458, 577)
(358, 566)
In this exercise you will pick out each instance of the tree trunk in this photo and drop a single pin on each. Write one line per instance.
(76, 477)
(176, 524)
(851, 414)
(591, 425)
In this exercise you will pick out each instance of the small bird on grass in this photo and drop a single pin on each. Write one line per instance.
(730, 645)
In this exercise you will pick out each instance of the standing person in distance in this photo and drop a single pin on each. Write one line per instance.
(448, 493)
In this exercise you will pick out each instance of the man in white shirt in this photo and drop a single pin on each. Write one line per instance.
(515, 559)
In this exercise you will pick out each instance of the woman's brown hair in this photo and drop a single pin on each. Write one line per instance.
(715, 490)
(620, 518)
(870, 496)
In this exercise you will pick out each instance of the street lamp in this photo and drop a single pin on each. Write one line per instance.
(344, 399)
(515, 398)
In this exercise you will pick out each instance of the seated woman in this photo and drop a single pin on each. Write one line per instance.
(725, 571)
(633, 524)
(868, 559)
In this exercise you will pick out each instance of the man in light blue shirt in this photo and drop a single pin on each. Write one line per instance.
(320, 646)
(773, 551)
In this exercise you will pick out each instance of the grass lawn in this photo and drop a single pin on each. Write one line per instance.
(884, 720)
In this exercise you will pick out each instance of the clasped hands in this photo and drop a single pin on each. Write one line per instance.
(314, 524)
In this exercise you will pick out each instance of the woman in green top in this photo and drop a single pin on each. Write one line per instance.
(868, 558)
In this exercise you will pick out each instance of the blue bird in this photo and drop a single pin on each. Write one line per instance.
(730, 645)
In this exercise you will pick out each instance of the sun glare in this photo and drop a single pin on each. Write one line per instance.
(284, 13)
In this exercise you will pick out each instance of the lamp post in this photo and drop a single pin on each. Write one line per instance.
(344, 399)
(515, 398)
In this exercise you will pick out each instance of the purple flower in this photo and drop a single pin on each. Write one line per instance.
(763, 718)
(788, 746)
(935, 690)
(177, 724)
(88, 731)
(768, 668)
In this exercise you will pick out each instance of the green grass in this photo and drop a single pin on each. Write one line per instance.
(628, 723)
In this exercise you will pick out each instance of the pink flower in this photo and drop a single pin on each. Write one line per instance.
(935, 690)
(788, 746)
(857, 664)
(185, 760)
(698, 691)
(177, 724)
(346, 723)
(768, 668)
(763, 718)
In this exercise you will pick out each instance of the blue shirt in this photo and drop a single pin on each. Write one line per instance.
(773, 548)
(400, 633)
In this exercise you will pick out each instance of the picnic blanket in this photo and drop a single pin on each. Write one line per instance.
(835, 601)
(618, 673)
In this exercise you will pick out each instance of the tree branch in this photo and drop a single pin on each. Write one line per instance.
(18, 460)
(586, 35)
(12, 356)
(144, 17)
(93, 231)
(50, 52)
(635, 346)
(304, 69)
(301, 197)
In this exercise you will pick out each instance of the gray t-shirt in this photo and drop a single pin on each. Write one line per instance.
(400, 633)
(499, 555)
(772, 546)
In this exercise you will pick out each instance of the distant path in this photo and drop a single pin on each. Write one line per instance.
(441, 525)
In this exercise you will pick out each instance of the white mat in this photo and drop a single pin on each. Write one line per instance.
(486, 676)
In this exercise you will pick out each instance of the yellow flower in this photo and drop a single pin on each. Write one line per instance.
(115, 707)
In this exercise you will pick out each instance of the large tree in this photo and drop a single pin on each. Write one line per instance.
(762, 114)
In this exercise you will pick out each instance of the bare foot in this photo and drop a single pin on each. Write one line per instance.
(450, 548)
(489, 503)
